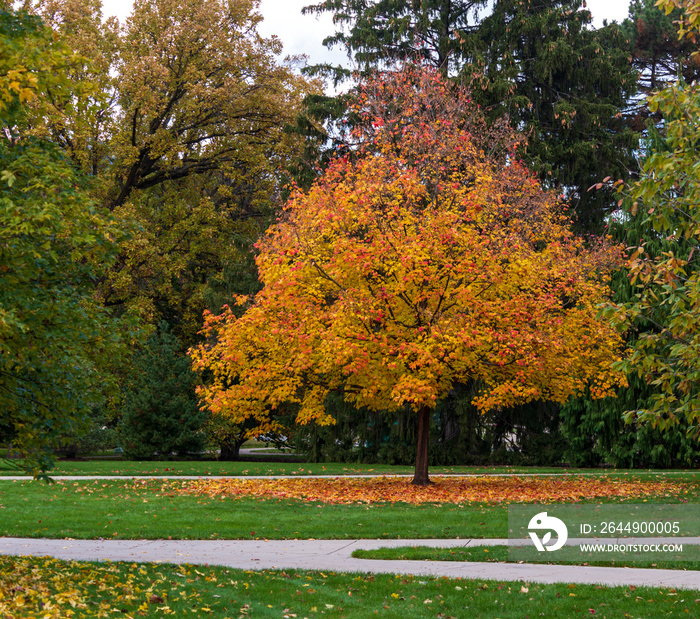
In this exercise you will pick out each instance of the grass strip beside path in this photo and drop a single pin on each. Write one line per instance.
(207, 468)
(49, 588)
(142, 510)
(499, 554)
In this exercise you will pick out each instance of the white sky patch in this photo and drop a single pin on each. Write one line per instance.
(612, 10)
(301, 34)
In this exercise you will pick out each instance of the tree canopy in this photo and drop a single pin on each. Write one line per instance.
(55, 241)
(667, 286)
(183, 129)
(430, 258)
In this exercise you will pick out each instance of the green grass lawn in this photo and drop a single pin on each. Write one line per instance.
(129, 509)
(31, 588)
(499, 554)
(214, 467)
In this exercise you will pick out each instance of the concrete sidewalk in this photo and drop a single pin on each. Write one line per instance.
(334, 555)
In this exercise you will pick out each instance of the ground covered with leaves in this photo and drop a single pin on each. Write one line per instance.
(52, 589)
(488, 490)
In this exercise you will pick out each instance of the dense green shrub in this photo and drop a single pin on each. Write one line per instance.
(597, 434)
(100, 435)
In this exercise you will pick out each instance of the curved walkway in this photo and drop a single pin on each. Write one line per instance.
(335, 555)
(332, 555)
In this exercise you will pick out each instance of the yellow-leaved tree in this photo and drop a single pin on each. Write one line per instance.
(429, 257)
(180, 119)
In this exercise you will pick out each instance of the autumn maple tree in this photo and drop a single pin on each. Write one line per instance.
(428, 258)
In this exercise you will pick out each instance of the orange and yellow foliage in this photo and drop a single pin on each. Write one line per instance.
(423, 261)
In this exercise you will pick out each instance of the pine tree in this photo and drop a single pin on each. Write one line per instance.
(658, 55)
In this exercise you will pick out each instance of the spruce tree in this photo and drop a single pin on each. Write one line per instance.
(377, 33)
(565, 85)
(161, 415)
(562, 83)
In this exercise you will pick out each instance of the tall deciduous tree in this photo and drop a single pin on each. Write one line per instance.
(82, 124)
(667, 295)
(428, 260)
(55, 339)
(200, 91)
(185, 133)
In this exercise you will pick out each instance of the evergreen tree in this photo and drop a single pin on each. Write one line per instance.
(564, 85)
(659, 55)
(377, 33)
(596, 430)
(596, 433)
(665, 202)
(459, 433)
(540, 64)
(161, 415)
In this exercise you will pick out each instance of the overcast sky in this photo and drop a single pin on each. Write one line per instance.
(303, 34)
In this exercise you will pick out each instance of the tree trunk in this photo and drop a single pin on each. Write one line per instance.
(420, 477)
(230, 450)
